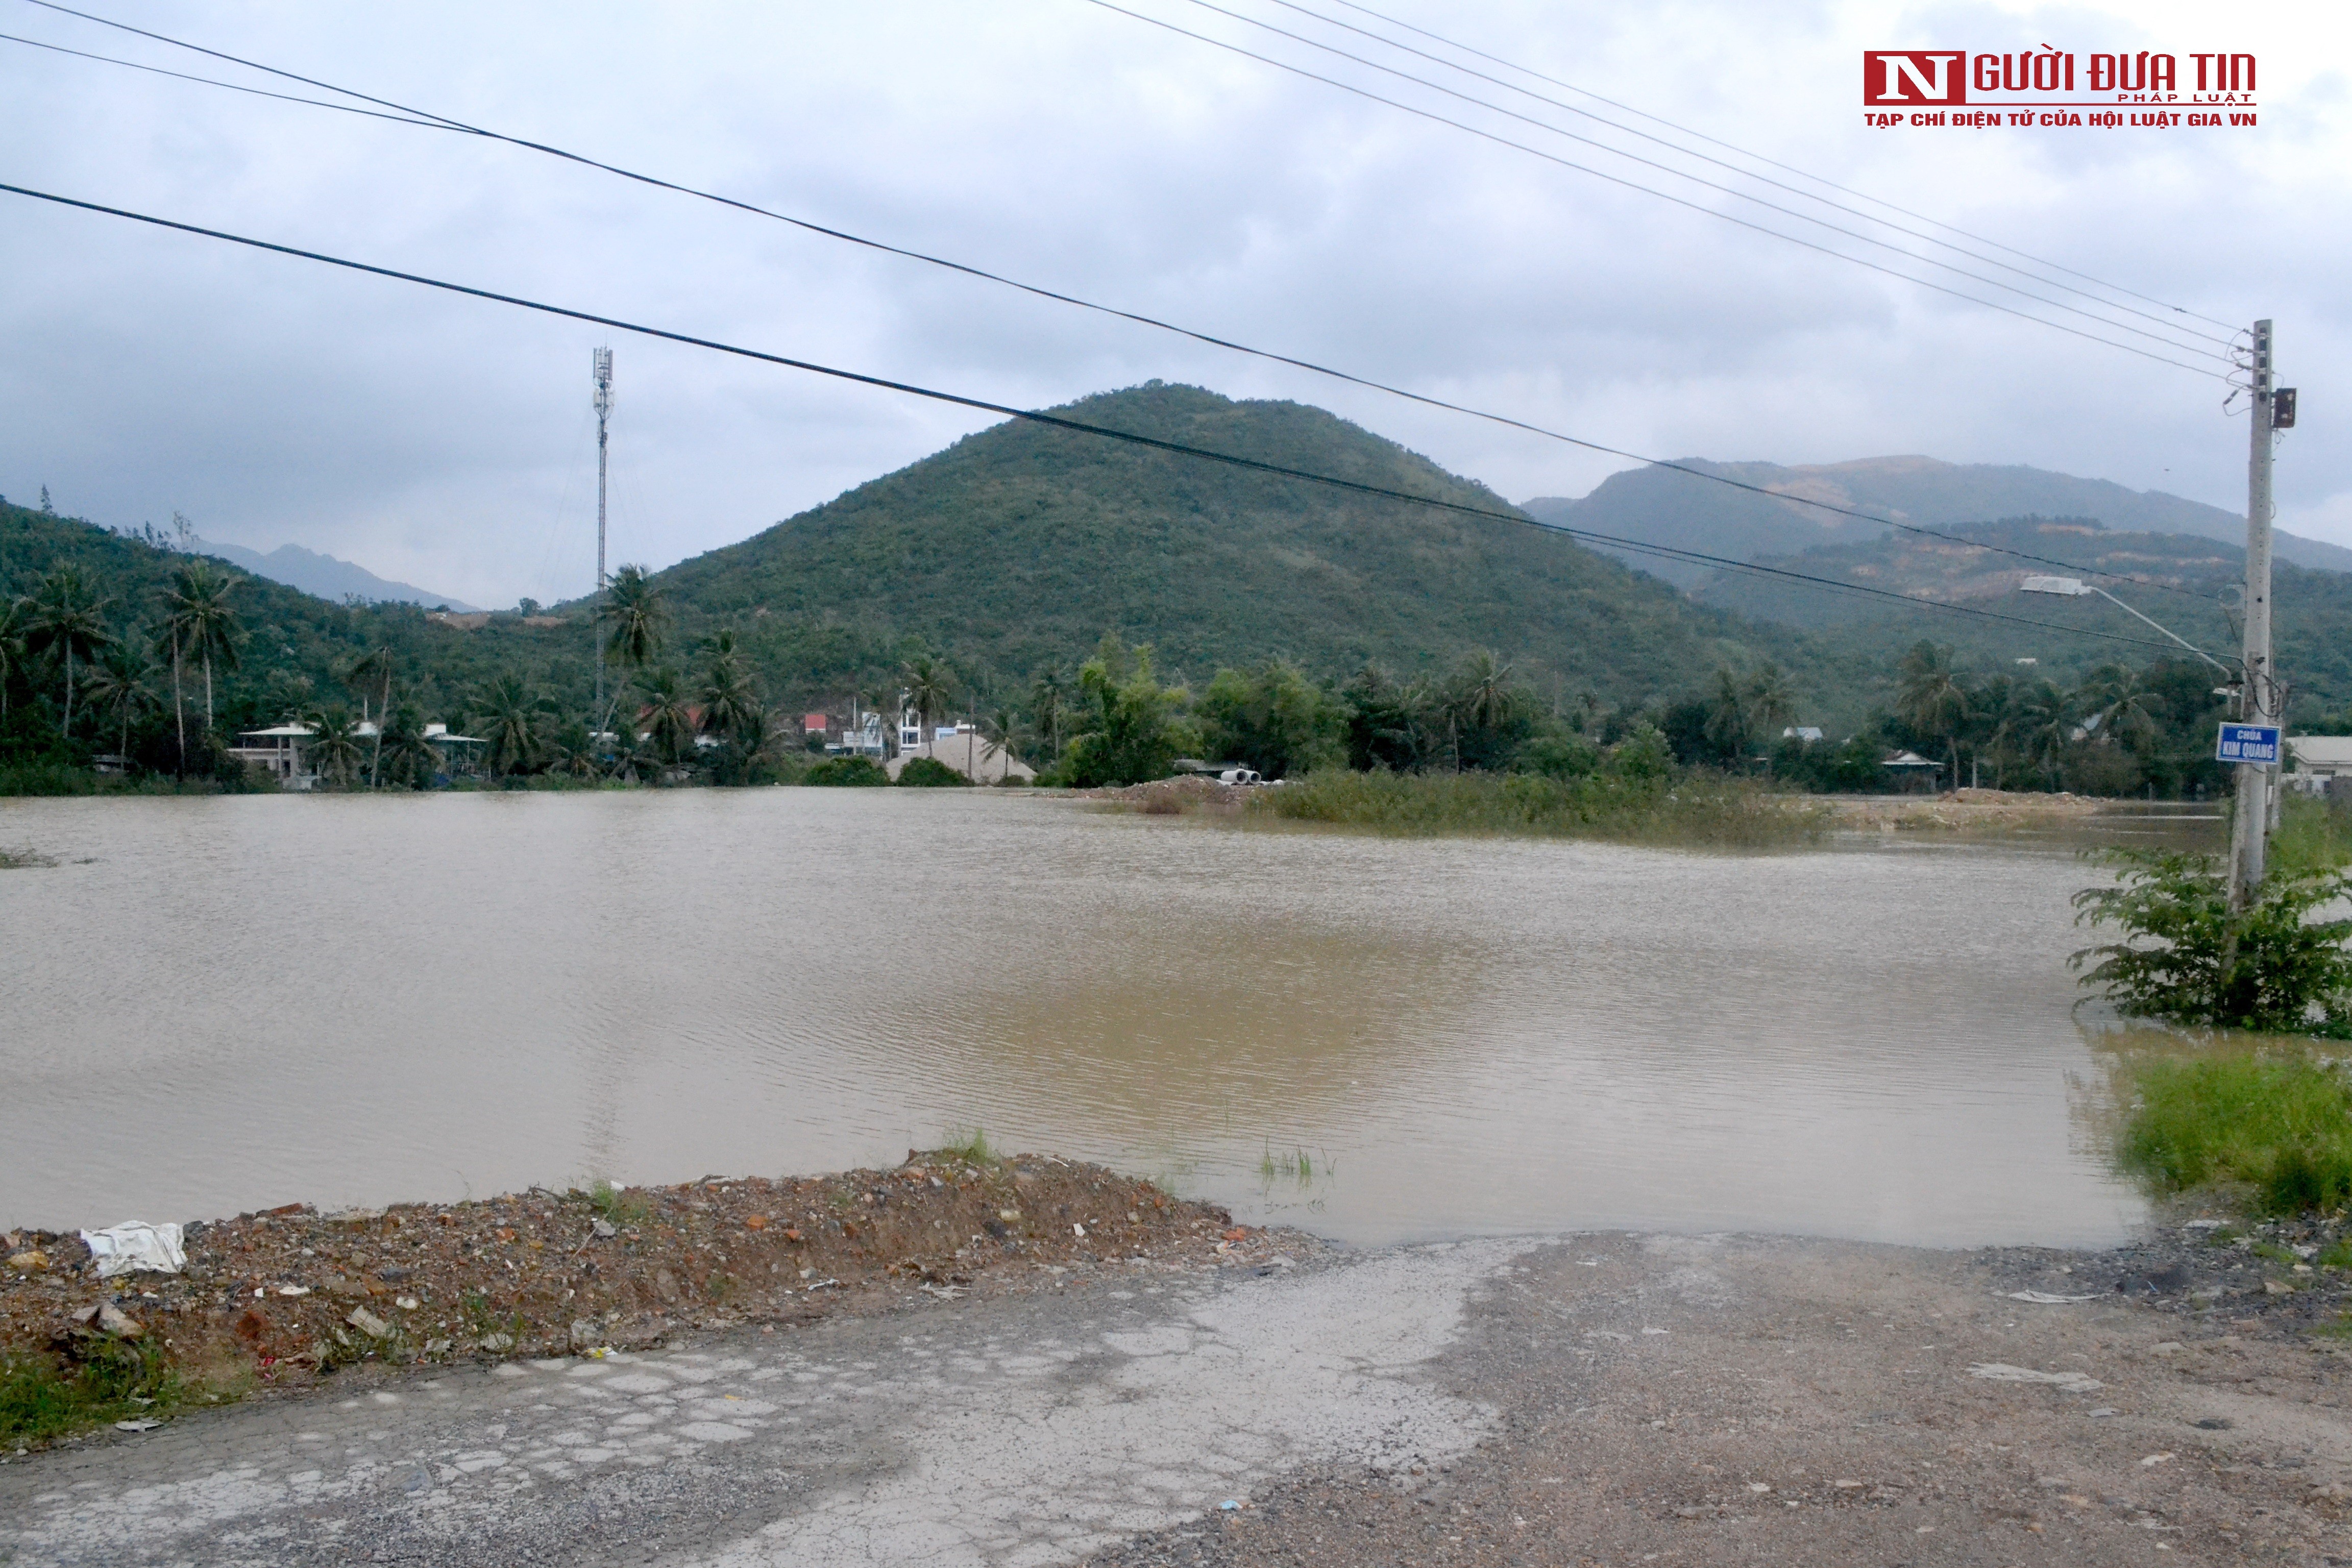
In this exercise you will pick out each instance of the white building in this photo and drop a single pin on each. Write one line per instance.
(2317, 759)
(280, 749)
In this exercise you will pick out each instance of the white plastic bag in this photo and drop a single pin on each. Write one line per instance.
(134, 1243)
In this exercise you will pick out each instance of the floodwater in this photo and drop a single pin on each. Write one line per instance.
(215, 1005)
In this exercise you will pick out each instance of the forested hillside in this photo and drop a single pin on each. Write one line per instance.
(1020, 546)
(1660, 506)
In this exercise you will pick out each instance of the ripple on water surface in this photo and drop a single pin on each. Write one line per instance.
(247, 1000)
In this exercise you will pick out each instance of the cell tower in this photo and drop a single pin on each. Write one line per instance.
(602, 370)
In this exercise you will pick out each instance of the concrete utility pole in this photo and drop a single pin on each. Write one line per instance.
(603, 365)
(2250, 832)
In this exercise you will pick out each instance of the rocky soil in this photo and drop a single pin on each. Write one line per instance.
(275, 1300)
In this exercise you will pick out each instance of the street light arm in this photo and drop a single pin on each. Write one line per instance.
(2184, 642)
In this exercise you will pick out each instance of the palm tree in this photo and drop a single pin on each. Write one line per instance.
(2045, 726)
(997, 728)
(64, 617)
(573, 750)
(512, 715)
(199, 619)
(2125, 709)
(117, 685)
(632, 607)
(335, 749)
(929, 690)
(729, 700)
(1048, 695)
(1482, 698)
(408, 757)
(376, 665)
(668, 715)
(12, 648)
(632, 756)
(1933, 698)
(1771, 704)
(1726, 714)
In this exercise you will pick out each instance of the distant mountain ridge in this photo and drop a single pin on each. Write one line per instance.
(1662, 506)
(326, 576)
(1018, 547)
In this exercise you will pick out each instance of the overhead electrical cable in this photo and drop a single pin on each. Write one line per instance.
(1725, 163)
(1744, 152)
(429, 120)
(215, 81)
(1055, 421)
(1565, 162)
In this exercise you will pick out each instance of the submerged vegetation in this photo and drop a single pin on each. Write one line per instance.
(1687, 808)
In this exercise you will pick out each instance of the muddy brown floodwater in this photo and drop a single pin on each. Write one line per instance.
(225, 1005)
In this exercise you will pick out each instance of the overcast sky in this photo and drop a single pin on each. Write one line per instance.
(450, 443)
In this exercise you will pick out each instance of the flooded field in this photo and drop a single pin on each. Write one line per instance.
(212, 1004)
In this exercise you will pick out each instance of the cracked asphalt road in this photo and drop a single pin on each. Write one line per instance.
(1603, 1399)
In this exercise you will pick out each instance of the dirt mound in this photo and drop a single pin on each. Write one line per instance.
(1171, 797)
(281, 1297)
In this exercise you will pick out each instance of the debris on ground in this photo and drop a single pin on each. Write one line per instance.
(134, 1245)
(282, 1297)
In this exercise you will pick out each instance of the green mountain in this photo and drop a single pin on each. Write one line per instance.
(1660, 506)
(1022, 546)
(2176, 579)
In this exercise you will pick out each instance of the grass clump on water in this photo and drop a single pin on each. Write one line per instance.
(1695, 810)
(2278, 1125)
(970, 1145)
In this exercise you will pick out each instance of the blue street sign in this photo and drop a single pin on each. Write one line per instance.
(2248, 744)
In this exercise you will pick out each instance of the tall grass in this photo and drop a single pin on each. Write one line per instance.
(2313, 836)
(44, 1396)
(2279, 1124)
(1695, 810)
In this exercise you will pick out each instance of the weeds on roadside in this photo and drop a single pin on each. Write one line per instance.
(2281, 1125)
(45, 1397)
(23, 859)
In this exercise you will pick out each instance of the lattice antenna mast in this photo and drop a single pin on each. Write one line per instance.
(603, 367)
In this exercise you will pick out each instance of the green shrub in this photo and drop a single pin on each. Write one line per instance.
(2265, 967)
(929, 772)
(2282, 1125)
(850, 771)
(44, 1396)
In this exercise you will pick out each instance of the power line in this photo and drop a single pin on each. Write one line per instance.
(431, 121)
(1732, 147)
(1703, 157)
(210, 81)
(1056, 421)
(1664, 196)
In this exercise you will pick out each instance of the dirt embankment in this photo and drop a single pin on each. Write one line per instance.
(1953, 812)
(277, 1299)
(1176, 796)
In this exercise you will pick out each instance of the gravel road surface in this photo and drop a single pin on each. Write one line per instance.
(1590, 1400)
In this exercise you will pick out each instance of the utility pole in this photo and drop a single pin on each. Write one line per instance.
(603, 372)
(2250, 832)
